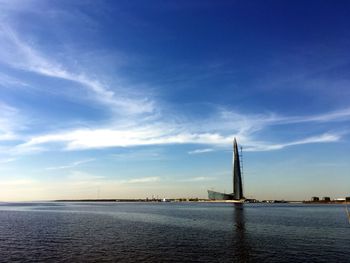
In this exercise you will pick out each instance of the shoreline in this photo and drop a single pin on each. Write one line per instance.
(183, 200)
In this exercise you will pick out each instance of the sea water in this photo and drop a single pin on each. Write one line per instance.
(173, 232)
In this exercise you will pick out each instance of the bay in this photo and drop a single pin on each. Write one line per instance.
(172, 232)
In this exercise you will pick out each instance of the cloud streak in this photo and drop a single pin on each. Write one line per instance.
(153, 128)
(7, 160)
(199, 179)
(8, 81)
(151, 179)
(323, 138)
(9, 122)
(29, 59)
(72, 165)
(333, 116)
(95, 139)
(200, 151)
(181, 133)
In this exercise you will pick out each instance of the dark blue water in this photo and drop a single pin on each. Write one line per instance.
(172, 232)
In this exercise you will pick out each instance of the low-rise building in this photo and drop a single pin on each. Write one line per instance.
(315, 199)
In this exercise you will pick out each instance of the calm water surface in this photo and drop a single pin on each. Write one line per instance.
(172, 232)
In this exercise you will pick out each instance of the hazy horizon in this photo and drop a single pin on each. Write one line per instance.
(104, 99)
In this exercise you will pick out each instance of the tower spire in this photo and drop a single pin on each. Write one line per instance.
(237, 177)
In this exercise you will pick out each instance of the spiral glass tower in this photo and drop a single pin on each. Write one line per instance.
(237, 176)
(237, 180)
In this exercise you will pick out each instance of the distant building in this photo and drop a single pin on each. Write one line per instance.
(251, 200)
(326, 199)
(315, 199)
(237, 180)
(340, 199)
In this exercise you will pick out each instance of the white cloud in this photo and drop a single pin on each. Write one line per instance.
(83, 177)
(199, 151)
(102, 138)
(8, 81)
(323, 138)
(155, 135)
(338, 115)
(198, 179)
(152, 128)
(7, 160)
(9, 122)
(139, 154)
(176, 133)
(142, 180)
(21, 55)
(80, 178)
(74, 164)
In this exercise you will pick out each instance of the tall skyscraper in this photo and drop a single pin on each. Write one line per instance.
(237, 180)
(237, 176)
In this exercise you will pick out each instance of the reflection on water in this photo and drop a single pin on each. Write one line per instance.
(240, 244)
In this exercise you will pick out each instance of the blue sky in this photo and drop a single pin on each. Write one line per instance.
(119, 99)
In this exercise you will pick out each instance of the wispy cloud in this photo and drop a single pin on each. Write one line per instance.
(7, 160)
(9, 81)
(198, 179)
(333, 116)
(153, 128)
(199, 151)
(72, 165)
(102, 138)
(25, 57)
(323, 138)
(79, 177)
(83, 177)
(139, 154)
(165, 134)
(9, 122)
(143, 180)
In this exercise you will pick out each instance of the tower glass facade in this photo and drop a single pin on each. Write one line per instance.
(237, 180)
(237, 176)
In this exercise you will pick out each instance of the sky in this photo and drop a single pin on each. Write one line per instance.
(136, 99)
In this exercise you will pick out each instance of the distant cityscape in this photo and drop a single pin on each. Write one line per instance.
(219, 197)
(313, 200)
